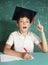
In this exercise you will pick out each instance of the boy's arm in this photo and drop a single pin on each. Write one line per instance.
(9, 51)
(43, 44)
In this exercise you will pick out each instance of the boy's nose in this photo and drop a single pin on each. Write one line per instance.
(24, 23)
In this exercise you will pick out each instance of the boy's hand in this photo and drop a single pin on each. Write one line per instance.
(39, 26)
(26, 55)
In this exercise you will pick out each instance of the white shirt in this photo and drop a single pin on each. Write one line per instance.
(20, 42)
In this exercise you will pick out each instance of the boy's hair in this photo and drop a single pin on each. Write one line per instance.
(24, 14)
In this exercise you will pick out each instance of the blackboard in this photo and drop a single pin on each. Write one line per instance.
(7, 25)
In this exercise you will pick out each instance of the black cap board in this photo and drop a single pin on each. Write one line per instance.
(23, 12)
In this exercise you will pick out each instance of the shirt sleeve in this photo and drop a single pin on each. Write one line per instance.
(10, 40)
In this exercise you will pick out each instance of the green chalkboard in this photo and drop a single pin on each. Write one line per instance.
(7, 25)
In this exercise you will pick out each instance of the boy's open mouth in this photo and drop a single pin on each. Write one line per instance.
(24, 27)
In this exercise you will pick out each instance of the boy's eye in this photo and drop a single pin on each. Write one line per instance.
(21, 21)
(27, 21)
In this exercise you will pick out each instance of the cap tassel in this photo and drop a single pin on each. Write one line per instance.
(32, 20)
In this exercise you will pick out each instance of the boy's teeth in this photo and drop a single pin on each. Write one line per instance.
(24, 27)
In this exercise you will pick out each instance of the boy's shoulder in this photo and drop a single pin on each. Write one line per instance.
(32, 34)
(14, 33)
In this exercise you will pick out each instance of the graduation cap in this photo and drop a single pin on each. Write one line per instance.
(23, 12)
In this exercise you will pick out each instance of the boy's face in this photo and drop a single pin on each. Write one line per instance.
(23, 24)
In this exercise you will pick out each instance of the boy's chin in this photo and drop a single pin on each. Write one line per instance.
(25, 30)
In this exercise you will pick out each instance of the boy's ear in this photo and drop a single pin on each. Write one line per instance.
(30, 24)
(17, 25)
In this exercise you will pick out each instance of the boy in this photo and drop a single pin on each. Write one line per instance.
(24, 40)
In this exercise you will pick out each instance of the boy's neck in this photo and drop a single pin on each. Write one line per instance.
(24, 33)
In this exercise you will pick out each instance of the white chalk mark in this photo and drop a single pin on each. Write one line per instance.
(26, 3)
(22, 3)
(17, 5)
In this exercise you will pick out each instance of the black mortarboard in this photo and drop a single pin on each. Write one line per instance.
(23, 12)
